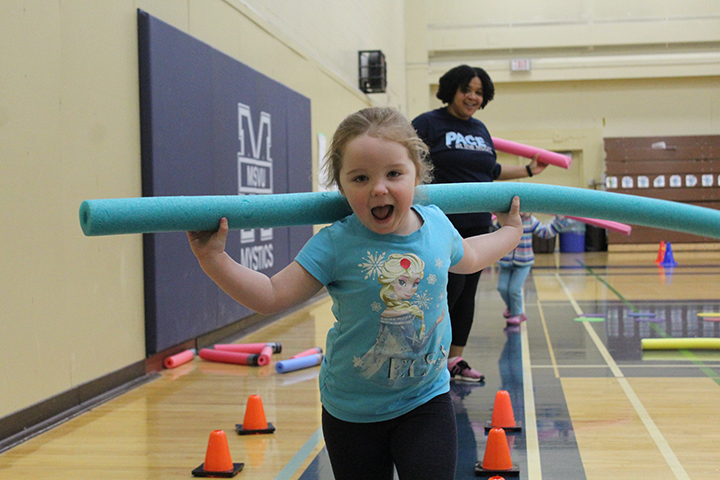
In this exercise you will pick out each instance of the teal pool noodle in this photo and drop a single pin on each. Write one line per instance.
(168, 214)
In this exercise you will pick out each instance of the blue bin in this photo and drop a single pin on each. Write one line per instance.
(572, 242)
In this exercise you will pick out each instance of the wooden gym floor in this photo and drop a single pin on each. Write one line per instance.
(593, 404)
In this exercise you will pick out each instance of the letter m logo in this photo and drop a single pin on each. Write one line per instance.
(254, 163)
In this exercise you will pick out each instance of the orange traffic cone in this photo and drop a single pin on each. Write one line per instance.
(497, 456)
(661, 252)
(503, 416)
(254, 421)
(668, 261)
(217, 459)
(496, 478)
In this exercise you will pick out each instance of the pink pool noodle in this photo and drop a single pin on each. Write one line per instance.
(265, 355)
(544, 156)
(238, 358)
(249, 347)
(305, 353)
(179, 358)
(610, 225)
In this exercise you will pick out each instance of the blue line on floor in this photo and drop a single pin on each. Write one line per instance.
(300, 456)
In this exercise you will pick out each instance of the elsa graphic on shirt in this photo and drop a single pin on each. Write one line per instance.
(402, 338)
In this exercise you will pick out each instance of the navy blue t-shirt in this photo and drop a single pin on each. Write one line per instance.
(461, 151)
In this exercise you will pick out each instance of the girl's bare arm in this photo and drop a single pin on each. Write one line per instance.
(483, 250)
(255, 290)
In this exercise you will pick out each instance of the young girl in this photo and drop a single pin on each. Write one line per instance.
(384, 381)
(515, 266)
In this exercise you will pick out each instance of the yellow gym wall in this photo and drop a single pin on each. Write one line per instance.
(597, 68)
(575, 116)
(72, 306)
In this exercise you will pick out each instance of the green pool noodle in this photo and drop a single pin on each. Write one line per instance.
(168, 214)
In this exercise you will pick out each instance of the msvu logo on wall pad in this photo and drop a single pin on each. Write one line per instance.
(255, 174)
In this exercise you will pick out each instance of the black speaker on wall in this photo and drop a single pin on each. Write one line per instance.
(372, 71)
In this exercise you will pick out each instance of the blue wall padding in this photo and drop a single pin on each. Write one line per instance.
(165, 214)
(210, 125)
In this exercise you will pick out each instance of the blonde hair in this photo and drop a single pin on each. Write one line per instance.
(386, 123)
(392, 270)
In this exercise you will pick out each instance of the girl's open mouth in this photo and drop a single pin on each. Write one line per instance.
(381, 213)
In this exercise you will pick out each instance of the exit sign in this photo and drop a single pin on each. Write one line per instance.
(520, 65)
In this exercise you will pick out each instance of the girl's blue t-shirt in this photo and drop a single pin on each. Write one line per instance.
(387, 352)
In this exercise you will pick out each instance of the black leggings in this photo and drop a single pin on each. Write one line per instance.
(461, 296)
(422, 444)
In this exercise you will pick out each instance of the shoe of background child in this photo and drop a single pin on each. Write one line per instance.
(506, 313)
(516, 319)
(460, 370)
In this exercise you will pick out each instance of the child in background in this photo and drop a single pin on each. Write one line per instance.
(384, 381)
(515, 266)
